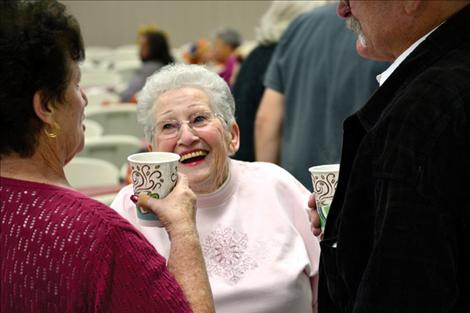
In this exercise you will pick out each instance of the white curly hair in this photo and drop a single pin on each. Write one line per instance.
(177, 76)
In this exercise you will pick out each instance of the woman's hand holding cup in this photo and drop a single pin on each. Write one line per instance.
(177, 211)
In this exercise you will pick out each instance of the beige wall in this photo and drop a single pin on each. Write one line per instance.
(114, 23)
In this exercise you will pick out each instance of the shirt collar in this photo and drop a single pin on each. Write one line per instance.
(446, 37)
(381, 78)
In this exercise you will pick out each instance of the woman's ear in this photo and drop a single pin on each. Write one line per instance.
(234, 142)
(43, 108)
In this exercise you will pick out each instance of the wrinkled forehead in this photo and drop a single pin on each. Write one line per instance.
(181, 100)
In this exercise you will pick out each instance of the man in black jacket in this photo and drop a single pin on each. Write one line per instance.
(396, 239)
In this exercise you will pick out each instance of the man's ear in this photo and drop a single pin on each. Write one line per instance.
(149, 147)
(234, 143)
(43, 108)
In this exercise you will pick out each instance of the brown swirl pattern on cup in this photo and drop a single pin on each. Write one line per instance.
(325, 186)
(147, 178)
(174, 176)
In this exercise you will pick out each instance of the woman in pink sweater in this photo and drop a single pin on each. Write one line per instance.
(252, 218)
(60, 250)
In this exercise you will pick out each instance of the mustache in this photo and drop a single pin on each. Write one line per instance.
(353, 24)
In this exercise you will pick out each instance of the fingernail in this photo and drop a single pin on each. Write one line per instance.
(134, 198)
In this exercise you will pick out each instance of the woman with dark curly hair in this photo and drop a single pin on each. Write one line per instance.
(60, 250)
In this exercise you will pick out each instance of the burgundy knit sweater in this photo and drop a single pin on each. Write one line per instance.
(64, 252)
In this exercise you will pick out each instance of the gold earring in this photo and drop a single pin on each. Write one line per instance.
(52, 134)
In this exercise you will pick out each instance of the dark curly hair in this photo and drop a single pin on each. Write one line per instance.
(38, 41)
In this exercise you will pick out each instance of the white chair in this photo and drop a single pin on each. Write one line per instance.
(97, 54)
(129, 48)
(126, 68)
(92, 128)
(112, 148)
(117, 119)
(97, 97)
(123, 55)
(100, 77)
(123, 172)
(87, 172)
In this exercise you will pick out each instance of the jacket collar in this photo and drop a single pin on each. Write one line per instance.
(451, 34)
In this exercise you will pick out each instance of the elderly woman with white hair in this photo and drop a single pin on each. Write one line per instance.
(252, 218)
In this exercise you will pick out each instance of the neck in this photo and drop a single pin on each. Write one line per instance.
(214, 183)
(38, 168)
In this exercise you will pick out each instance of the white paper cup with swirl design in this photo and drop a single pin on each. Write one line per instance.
(325, 180)
(154, 173)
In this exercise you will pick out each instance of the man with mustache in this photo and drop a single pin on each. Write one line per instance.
(397, 231)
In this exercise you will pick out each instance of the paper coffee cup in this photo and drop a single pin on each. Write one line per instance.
(154, 173)
(325, 180)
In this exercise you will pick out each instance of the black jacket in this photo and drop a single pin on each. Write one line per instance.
(401, 214)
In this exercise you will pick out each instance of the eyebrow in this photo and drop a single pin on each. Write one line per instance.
(189, 106)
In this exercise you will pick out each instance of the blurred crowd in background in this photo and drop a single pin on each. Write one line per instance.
(292, 41)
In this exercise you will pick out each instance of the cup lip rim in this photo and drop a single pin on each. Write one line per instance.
(324, 168)
(176, 157)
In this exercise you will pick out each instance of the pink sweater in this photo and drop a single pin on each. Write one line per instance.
(260, 254)
(64, 252)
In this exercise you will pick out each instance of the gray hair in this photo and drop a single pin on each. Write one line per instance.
(278, 16)
(230, 37)
(177, 76)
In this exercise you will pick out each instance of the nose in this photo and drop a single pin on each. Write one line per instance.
(187, 135)
(84, 96)
(343, 10)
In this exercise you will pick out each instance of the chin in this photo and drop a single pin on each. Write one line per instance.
(362, 51)
(80, 146)
(77, 151)
(367, 51)
(194, 176)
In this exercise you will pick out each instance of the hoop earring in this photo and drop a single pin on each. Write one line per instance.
(52, 134)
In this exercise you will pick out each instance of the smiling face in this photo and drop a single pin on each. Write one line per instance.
(204, 150)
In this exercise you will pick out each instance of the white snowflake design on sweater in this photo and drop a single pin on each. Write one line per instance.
(225, 252)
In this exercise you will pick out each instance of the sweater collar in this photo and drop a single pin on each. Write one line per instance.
(222, 194)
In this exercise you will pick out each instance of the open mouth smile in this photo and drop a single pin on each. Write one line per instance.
(193, 157)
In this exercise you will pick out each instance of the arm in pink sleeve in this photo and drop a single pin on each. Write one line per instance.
(301, 222)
